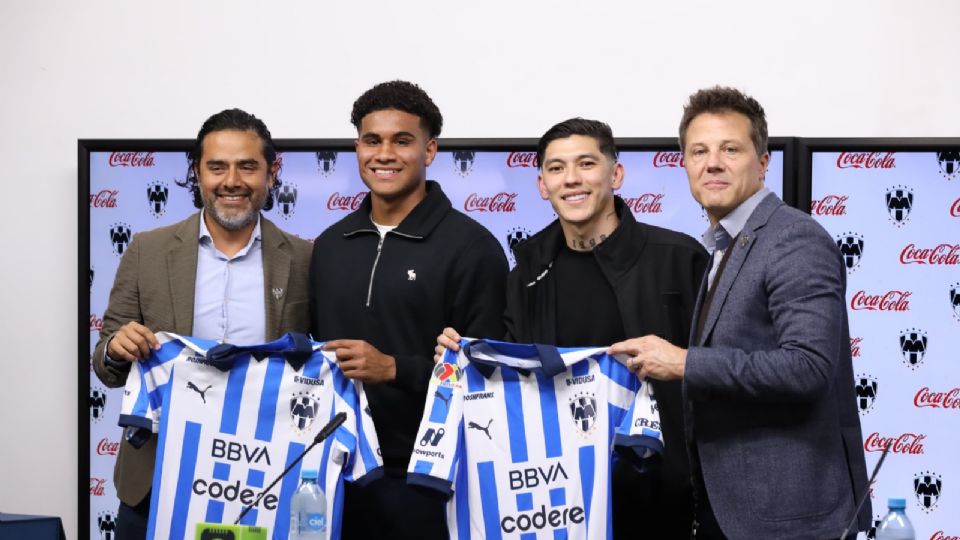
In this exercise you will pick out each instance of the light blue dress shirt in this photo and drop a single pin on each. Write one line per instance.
(228, 302)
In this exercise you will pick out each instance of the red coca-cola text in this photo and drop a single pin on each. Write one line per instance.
(131, 159)
(829, 205)
(107, 447)
(345, 202)
(105, 198)
(955, 208)
(906, 443)
(648, 203)
(942, 254)
(96, 323)
(888, 301)
(855, 347)
(938, 400)
(940, 535)
(523, 159)
(668, 159)
(866, 160)
(501, 202)
(96, 486)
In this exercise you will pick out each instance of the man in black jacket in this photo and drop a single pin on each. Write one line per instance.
(385, 280)
(596, 276)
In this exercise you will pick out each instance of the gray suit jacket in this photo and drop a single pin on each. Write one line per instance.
(154, 285)
(770, 385)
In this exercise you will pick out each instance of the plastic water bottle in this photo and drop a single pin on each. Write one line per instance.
(308, 509)
(896, 525)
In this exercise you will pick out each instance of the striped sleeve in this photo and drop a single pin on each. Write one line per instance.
(435, 458)
(640, 429)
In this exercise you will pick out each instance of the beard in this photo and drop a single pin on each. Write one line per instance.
(233, 220)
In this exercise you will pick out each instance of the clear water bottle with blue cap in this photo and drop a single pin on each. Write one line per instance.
(308, 509)
(896, 525)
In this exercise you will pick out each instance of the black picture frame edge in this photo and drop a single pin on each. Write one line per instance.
(806, 146)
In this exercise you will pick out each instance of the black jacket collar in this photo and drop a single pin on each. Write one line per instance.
(616, 255)
(419, 223)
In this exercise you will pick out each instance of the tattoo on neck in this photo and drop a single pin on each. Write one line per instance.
(588, 244)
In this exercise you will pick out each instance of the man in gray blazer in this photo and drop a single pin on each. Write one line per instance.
(772, 427)
(224, 273)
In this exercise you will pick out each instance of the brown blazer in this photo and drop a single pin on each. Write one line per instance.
(155, 284)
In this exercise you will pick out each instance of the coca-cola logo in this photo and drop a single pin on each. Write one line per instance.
(940, 535)
(829, 205)
(96, 486)
(855, 347)
(906, 443)
(107, 447)
(523, 159)
(942, 254)
(131, 159)
(955, 208)
(648, 203)
(501, 202)
(96, 323)
(345, 202)
(866, 160)
(888, 301)
(668, 159)
(105, 198)
(949, 399)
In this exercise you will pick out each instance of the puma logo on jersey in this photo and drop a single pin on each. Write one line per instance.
(446, 399)
(411, 275)
(474, 425)
(193, 387)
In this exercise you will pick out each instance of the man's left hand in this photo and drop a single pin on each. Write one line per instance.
(652, 357)
(362, 361)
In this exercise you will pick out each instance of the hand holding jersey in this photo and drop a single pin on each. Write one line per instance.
(362, 361)
(652, 357)
(133, 341)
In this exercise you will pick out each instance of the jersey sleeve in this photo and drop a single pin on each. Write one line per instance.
(142, 403)
(353, 446)
(438, 446)
(639, 433)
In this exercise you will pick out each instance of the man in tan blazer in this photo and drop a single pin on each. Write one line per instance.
(225, 273)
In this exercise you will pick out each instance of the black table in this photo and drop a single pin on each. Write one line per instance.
(16, 527)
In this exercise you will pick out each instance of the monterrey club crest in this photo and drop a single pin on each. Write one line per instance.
(98, 402)
(107, 524)
(326, 162)
(303, 411)
(866, 391)
(927, 486)
(851, 247)
(286, 200)
(955, 300)
(463, 160)
(583, 410)
(949, 162)
(157, 194)
(913, 345)
(515, 237)
(120, 236)
(899, 204)
(448, 375)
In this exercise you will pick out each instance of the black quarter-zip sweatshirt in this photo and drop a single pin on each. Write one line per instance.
(437, 268)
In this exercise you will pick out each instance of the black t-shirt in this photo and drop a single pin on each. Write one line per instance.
(587, 313)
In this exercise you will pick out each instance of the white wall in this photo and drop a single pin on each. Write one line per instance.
(115, 68)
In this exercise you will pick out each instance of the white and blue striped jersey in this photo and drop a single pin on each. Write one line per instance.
(231, 419)
(521, 436)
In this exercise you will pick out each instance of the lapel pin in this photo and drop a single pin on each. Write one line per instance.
(278, 292)
(744, 239)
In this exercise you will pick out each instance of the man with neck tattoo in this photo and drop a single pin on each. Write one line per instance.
(596, 276)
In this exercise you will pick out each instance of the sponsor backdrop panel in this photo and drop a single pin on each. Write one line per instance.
(131, 192)
(896, 219)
